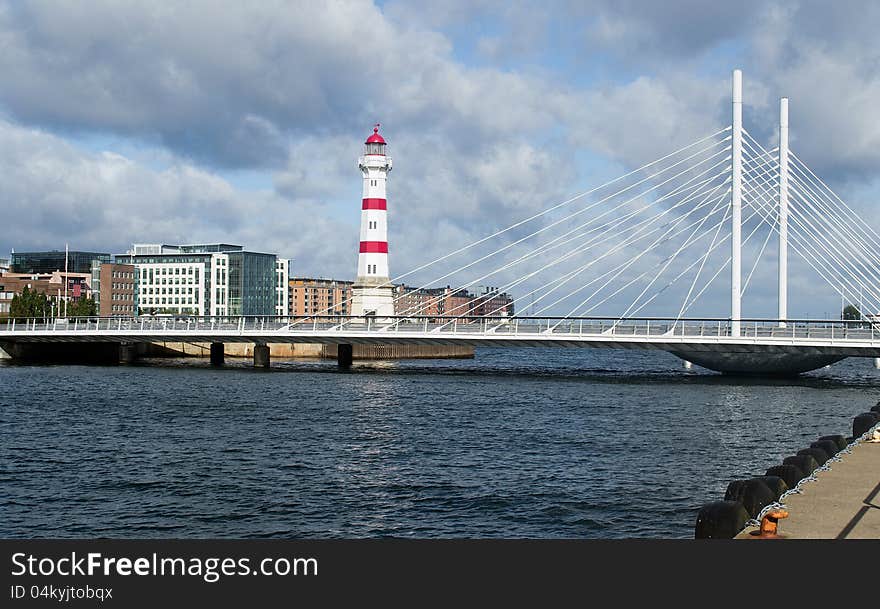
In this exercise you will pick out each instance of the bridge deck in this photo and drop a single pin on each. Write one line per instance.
(760, 336)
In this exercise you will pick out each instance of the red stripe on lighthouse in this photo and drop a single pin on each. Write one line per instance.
(374, 247)
(375, 204)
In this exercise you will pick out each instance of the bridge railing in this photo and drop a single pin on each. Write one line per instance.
(516, 326)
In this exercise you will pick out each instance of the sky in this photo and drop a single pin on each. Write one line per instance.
(165, 122)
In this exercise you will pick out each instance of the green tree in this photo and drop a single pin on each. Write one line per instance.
(30, 303)
(84, 307)
(851, 312)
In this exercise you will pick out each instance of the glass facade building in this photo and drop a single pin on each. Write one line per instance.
(49, 262)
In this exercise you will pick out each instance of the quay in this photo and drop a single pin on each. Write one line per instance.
(843, 502)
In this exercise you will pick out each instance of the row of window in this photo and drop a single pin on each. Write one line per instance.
(169, 291)
(122, 309)
(122, 275)
(168, 300)
(174, 281)
(309, 310)
(169, 270)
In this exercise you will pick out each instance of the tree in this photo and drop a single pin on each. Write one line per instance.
(84, 307)
(31, 303)
(851, 312)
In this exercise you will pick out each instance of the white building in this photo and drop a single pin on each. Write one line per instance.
(177, 287)
(282, 275)
(217, 279)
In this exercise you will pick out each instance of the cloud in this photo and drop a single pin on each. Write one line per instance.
(224, 86)
(55, 193)
(652, 32)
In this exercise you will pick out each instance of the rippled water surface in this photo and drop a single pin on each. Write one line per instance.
(514, 443)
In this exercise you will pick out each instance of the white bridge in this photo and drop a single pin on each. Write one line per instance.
(799, 346)
(618, 248)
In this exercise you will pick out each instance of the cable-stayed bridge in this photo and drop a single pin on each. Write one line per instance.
(686, 234)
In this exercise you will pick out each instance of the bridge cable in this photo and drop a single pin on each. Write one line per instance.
(623, 267)
(837, 245)
(568, 201)
(605, 213)
(722, 206)
(677, 190)
(825, 214)
(724, 265)
(629, 240)
(807, 248)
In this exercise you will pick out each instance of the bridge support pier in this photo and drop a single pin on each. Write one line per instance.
(344, 355)
(758, 364)
(261, 356)
(217, 354)
(128, 353)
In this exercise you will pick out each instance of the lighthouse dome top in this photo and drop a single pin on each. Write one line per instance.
(375, 138)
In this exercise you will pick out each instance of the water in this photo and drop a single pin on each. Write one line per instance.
(515, 443)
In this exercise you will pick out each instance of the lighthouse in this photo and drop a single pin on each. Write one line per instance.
(372, 292)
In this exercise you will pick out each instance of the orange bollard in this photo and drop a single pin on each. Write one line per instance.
(769, 525)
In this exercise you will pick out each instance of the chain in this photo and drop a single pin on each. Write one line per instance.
(797, 490)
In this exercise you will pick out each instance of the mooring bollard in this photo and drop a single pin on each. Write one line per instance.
(770, 525)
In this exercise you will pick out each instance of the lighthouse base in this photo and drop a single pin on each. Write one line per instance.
(372, 300)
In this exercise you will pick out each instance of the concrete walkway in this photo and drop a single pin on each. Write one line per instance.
(842, 503)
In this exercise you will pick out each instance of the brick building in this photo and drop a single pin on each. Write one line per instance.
(115, 290)
(309, 296)
(451, 302)
(50, 284)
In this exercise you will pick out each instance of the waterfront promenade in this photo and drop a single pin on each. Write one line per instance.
(843, 502)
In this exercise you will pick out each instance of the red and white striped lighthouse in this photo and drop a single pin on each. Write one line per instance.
(372, 292)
